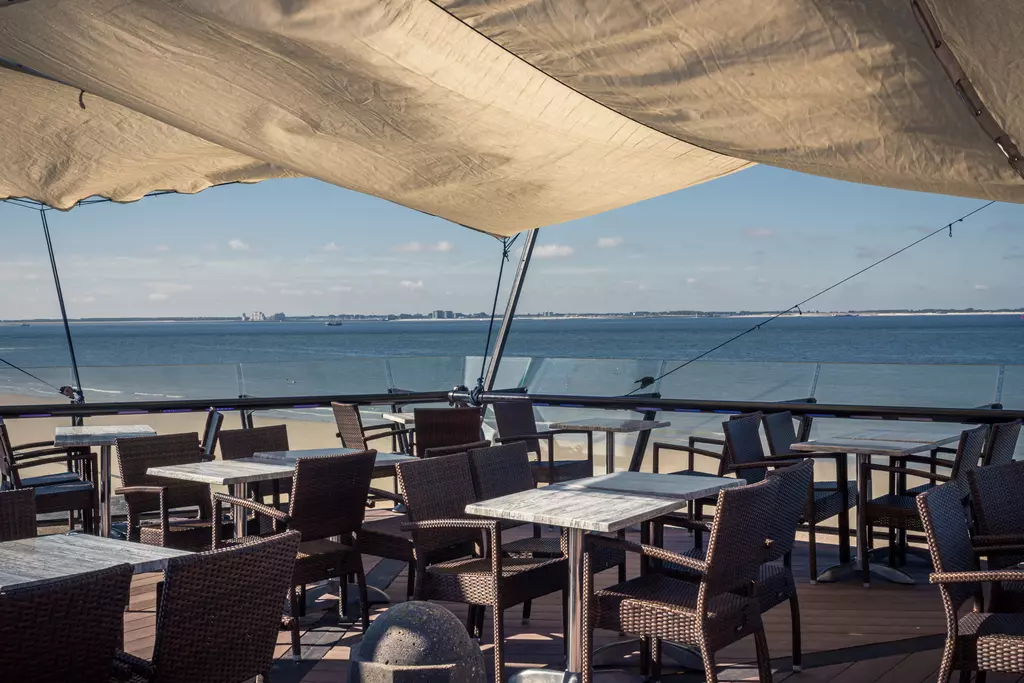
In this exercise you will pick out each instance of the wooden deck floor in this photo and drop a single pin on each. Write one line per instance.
(887, 633)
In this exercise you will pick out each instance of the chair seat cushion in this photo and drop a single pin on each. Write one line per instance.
(183, 534)
(828, 499)
(545, 546)
(996, 641)
(470, 580)
(323, 558)
(72, 495)
(665, 607)
(384, 538)
(894, 510)
(50, 479)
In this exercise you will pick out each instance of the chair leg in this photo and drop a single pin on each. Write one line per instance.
(471, 620)
(710, 669)
(302, 598)
(499, 643)
(565, 623)
(980, 676)
(794, 613)
(364, 599)
(965, 676)
(621, 535)
(812, 549)
(527, 606)
(764, 660)
(865, 567)
(411, 587)
(946, 665)
(698, 535)
(481, 612)
(655, 657)
(342, 598)
(296, 643)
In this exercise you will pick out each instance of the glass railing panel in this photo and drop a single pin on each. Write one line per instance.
(511, 372)
(315, 378)
(427, 373)
(1012, 396)
(739, 381)
(941, 386)
(112, 384)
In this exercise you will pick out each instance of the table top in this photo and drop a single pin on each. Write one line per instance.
(383, 459)
(400, 418)
(879, 434)
(864, 446)
(608, 424)
(227, 472)
(98, 435)
(606, 503)
(33, 560)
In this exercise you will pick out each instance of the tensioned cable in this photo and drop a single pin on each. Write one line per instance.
(23, 370)
(648, 381)
(506, 248)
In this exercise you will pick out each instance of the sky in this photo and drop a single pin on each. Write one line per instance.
(761, 239)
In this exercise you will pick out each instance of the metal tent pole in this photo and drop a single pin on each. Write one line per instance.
(79, 396)
(510, 310)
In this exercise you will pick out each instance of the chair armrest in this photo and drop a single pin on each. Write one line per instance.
(385, 435)
(517, 437)
(139, 489)
(53, 459)
(385, 425)
(34, 444)
(759, 464)
(386, 495)
(552, 432)
(253, 506)
(986, 575)
(986, 540)
(925, 460)
(134, 665)
(906, 470)
(664, 445)
(484, 524)
(838, 457)
(68, 453)
(707, 440)
(699, 566)
(994, 551)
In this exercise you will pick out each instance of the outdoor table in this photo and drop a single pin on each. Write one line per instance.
(404, 419)
(611, 427)
(32, 560)
(104, 437)
(864, 448)
(597, 504)
(383, 465)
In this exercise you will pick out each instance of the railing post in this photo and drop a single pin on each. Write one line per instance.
(642, 438)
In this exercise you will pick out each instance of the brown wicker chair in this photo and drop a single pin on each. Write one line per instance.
(219, 614)
(243, 443)
(17, 514)
(1000, 445)
(66, 629)
(516, 422)
(214, 421)
(437, 491)
(441, 451)
(182, 509)
(898, 510)
(979, 640)
(68, 492)
(998, 519)
(831, 498)
(776, 584)
(328, 502)
(707, 615)
(354, 435)
(438, 427)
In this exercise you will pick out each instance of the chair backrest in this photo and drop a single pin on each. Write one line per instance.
(796, 484)
(968, 454)
(437, 427)
(501, 470)
(329, 493)
(949, 541)
(781, 432)
(350, 425)
(8, 475)
(17, 514)
(442, 451)
(743, 445)
(515, 418)
(1001, 443)
(66, 629)
(995, 492)
(136, 455)
(240, 592)
(214, 420)
(737, 546)
(243, 443)
(438, 488)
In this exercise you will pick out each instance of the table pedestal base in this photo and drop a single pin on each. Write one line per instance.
(616, 654)
(848, 570)
(556, 676)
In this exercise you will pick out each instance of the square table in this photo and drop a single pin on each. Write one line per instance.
(104, 437)
(383, 465)
(33, 560)
(599, 504)
(611, 427)
(864, 448)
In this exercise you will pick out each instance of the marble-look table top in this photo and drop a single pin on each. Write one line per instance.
(383, 460)
(879, 434)
(98, 435)
(864, 446)
(608, 424)
(33, 560)
(606, 503)
(226, 472)
(400, 418)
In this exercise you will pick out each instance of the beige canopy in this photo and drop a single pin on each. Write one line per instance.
(504, 115)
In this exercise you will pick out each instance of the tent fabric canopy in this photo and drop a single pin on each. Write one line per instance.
(501, 115)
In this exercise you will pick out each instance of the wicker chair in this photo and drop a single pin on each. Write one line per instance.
(68, 492)
(17, 514)
(441, 451)
(327, 506)
(190, 525)
(354, 435)
(243, 443)
(998, 519)
(979, 640)
(831, 498)
(437, 491)
(898, 510)
(214, 421)
(1000, 445)
(707, 615)
(219, 614)
(66, 629)
(438, 427)
(516, 422)
(776, 584)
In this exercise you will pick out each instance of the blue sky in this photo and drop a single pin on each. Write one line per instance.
(760, 239)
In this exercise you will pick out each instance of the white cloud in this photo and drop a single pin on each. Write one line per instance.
(238, 245)
(293, 292)
(166, 287)
(981, 288)
(552, 251)
(162, 248)
(691, 280)
(411, 285)
(609, 242)
(340, 288)
(330, 246)
(159, 296)
(419, 247)
(758, 233)
(90, 299)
